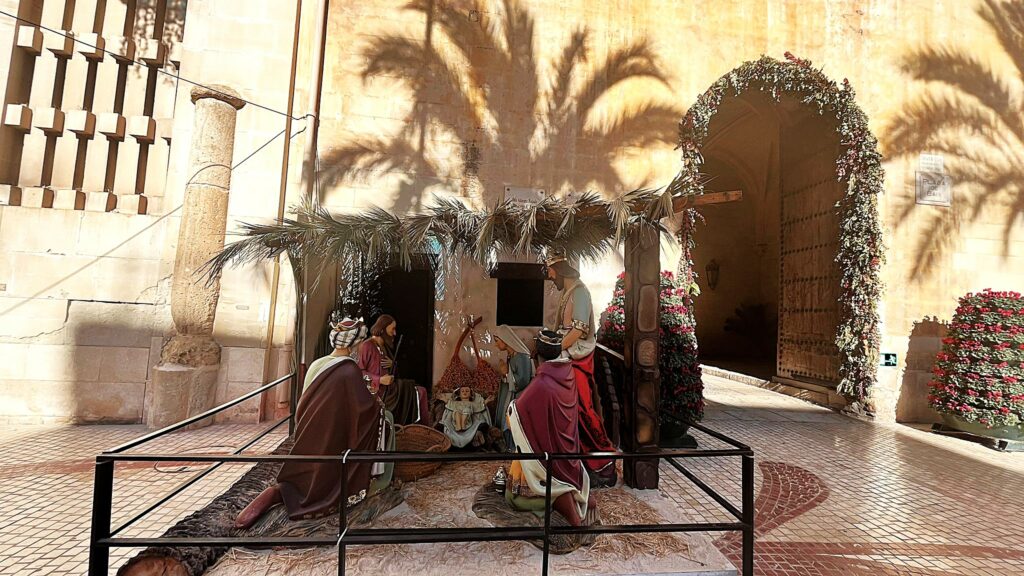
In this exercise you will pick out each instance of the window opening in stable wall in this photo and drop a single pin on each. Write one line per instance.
(520, 300)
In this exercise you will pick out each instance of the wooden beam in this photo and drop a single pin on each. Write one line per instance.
(678, 204)
(684, 202)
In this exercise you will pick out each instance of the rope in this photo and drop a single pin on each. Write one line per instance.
(159, 70)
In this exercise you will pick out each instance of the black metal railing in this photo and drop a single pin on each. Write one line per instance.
(103, 538)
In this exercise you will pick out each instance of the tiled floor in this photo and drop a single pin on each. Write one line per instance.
(835, 496)
(839, 496)
(46, 489)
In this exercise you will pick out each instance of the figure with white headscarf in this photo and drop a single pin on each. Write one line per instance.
(517, 370)
(337, 412)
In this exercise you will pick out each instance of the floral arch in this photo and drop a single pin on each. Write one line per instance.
(858, 166)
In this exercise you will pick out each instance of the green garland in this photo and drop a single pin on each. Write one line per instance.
(859, 166)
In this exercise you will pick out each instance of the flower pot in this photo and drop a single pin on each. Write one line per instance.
(673, 435)
(1001, 432)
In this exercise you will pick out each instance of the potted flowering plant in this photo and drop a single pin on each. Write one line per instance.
(979, 374)
(682, 392)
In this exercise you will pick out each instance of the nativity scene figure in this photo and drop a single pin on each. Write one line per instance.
(579, 341)
(378, 357)
(338, 411)
(545, 419)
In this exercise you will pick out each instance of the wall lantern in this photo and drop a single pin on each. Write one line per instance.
(712, 273)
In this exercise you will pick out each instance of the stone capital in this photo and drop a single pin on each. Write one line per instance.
(218, 92)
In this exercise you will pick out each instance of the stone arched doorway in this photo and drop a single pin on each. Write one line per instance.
(789, 275)
(771, 307)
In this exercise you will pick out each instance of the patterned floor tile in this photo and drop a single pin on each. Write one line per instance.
(834, 496)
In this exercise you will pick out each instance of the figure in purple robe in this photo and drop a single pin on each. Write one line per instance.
(545, 418)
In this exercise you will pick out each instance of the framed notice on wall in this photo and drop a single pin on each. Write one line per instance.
(934, 186)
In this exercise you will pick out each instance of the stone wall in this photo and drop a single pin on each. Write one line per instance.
(434, 143)
(443, 145)
(85, 266)
(81, 308)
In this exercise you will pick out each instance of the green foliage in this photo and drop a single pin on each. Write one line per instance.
(979, 375)
(682, 391)
(860, 251)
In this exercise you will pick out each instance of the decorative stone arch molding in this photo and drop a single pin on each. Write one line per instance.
(858, 167)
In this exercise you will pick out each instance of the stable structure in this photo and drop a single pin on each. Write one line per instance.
(579, 226)
(197, 542)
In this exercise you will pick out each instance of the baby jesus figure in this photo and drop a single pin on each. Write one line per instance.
(461, 406)
(466, 418)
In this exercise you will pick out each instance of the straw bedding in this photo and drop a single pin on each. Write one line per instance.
(447, 499)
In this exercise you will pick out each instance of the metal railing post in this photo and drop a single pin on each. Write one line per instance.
(102, 499)
(103, 538)
(293, 399)
(748, 515)
(547, 514)
(343, 514)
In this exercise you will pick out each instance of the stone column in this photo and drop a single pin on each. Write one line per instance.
(643, 294)
(185, 381)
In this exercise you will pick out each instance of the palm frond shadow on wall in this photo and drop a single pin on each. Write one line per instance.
(478, 81)
(974, 117)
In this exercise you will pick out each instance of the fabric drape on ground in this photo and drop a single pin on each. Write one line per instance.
(335, 413)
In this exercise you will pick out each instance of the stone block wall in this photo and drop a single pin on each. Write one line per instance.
(696, 43)
(86, 163)
(81, 305)
(82, 132)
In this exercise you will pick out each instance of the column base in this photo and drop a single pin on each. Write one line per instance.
(181, 391)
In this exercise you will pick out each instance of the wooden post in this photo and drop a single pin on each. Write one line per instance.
(642, 295)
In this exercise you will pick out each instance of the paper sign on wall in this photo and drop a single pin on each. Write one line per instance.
(934, 187)
(931, 163)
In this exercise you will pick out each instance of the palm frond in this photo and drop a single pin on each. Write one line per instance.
(641, 126)
(526, 225)
(636, 60)
(522, 75)
(1014, 214)
(463, 33)
(574, 54)
(927, 122)
(583, 226)
(429, 70)
(660, 206)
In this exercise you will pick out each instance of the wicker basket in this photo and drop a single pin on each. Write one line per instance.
(417, 438)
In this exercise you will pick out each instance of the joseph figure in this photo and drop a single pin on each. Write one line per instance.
(579, 340)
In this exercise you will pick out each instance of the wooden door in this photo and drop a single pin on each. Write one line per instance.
(809, 275)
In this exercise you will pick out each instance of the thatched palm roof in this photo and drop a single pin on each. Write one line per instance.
(582, 226)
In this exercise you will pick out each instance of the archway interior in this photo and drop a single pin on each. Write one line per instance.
(773, 310)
